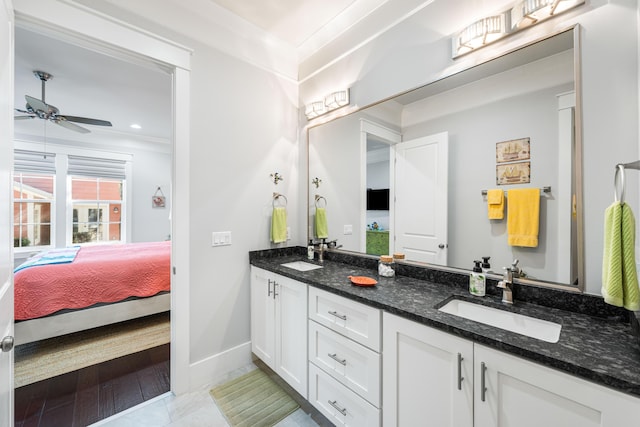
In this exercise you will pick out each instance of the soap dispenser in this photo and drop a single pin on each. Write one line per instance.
(486, 267)
(477, 281)
(310, 251)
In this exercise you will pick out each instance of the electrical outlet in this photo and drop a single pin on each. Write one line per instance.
(288, 233)
(221, 238)
(348, 229)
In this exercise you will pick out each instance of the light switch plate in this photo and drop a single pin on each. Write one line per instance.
(221, 238)
(348, 229)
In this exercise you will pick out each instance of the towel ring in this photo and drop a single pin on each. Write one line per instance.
(318, 198)
(620, 170)
(276, 196)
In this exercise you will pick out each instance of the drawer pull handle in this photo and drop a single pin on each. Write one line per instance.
(460, 377)
(334, 356)
(343, 411)
(339, 316)
(483, 388)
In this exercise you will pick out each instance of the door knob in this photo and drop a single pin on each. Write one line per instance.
(7, 343)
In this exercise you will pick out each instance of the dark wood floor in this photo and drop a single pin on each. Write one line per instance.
(83, 397)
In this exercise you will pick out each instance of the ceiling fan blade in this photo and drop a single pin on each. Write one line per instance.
(71, 126)
(23, 117)
(38, 105)
(86, 120)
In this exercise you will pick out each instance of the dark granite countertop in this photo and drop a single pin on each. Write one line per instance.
(597, 343)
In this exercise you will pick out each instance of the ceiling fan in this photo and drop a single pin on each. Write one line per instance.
(40, 109)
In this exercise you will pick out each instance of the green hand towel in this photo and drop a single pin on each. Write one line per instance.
(619, 276)
(322, 229)
(279, 225)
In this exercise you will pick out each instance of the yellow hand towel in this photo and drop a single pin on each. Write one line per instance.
(322, 229)
(523, 217)
(279, 225)
(495, 203)
(619, 276)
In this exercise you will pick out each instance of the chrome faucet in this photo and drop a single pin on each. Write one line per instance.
(507, 282)
(320, 249)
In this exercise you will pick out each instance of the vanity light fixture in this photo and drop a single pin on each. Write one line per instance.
(331, 102)
(480, 33)
(524, 14)
(530, 12)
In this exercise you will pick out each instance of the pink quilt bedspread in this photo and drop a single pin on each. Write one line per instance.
(99, 274)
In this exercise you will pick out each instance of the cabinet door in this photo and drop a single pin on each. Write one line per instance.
(291, 339)
(519, 393)
(427, 376)
(263, 316)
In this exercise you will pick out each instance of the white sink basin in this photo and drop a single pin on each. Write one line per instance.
(301, 265)
(518, 323)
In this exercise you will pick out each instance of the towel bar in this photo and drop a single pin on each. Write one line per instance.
(543, 189)
(620, 167)
(317, 200)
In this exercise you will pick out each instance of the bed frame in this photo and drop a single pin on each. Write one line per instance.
(27, 331)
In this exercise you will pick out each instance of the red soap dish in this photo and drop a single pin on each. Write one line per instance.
(363, 281)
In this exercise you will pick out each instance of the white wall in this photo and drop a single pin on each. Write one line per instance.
(410, 55)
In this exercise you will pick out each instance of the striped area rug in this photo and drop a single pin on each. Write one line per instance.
(253, 399)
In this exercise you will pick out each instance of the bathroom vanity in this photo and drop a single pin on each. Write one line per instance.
(386, 355)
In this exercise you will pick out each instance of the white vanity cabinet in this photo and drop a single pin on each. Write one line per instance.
(344, 359)
(520, 393)
(435, 378)
(279, 325)
(427, 376)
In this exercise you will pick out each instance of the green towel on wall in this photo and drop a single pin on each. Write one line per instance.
(619, 276)
(322, 229)
(279, 225)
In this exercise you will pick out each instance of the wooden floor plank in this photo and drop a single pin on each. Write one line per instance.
(91, 394)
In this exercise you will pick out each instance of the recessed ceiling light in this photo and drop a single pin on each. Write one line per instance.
(136, 126)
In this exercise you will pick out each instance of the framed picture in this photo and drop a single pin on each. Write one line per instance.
(510, 151)
(158, 200)
(513, 173)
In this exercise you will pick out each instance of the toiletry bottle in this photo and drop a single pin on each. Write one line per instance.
(310, 251)
(477, 281)
(486, 267)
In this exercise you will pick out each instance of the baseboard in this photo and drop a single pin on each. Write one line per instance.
(209, 370)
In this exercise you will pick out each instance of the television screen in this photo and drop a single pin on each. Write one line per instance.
(378, 200)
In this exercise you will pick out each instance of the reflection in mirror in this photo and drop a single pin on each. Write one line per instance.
(408, 174)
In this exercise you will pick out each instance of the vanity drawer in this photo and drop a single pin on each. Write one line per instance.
(352, 364)
(352, 319)
(340, 405)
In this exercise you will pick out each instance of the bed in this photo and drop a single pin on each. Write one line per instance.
(67, 290)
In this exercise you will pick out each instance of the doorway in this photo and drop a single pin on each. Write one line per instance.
(70, 22)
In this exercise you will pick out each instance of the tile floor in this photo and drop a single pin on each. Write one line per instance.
(194, 409)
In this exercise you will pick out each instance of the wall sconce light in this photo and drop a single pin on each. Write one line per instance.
(116, 210)
(524, 14)
(331, 102)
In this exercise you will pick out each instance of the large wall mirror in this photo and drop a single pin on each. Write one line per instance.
(410, 174)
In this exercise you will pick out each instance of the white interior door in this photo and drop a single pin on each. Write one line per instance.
(421, 173)
(6, 248)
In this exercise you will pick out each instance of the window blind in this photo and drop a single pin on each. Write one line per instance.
(34, 162)
(97, 168)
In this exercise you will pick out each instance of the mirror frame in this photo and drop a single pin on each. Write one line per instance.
(539, 36)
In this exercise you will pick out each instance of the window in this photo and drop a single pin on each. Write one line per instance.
(97, 207)
(89, 192)
(97, 194)
(34, 199)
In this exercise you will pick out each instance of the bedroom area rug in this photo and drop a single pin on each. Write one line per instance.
(56, 356)
(253, 399)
